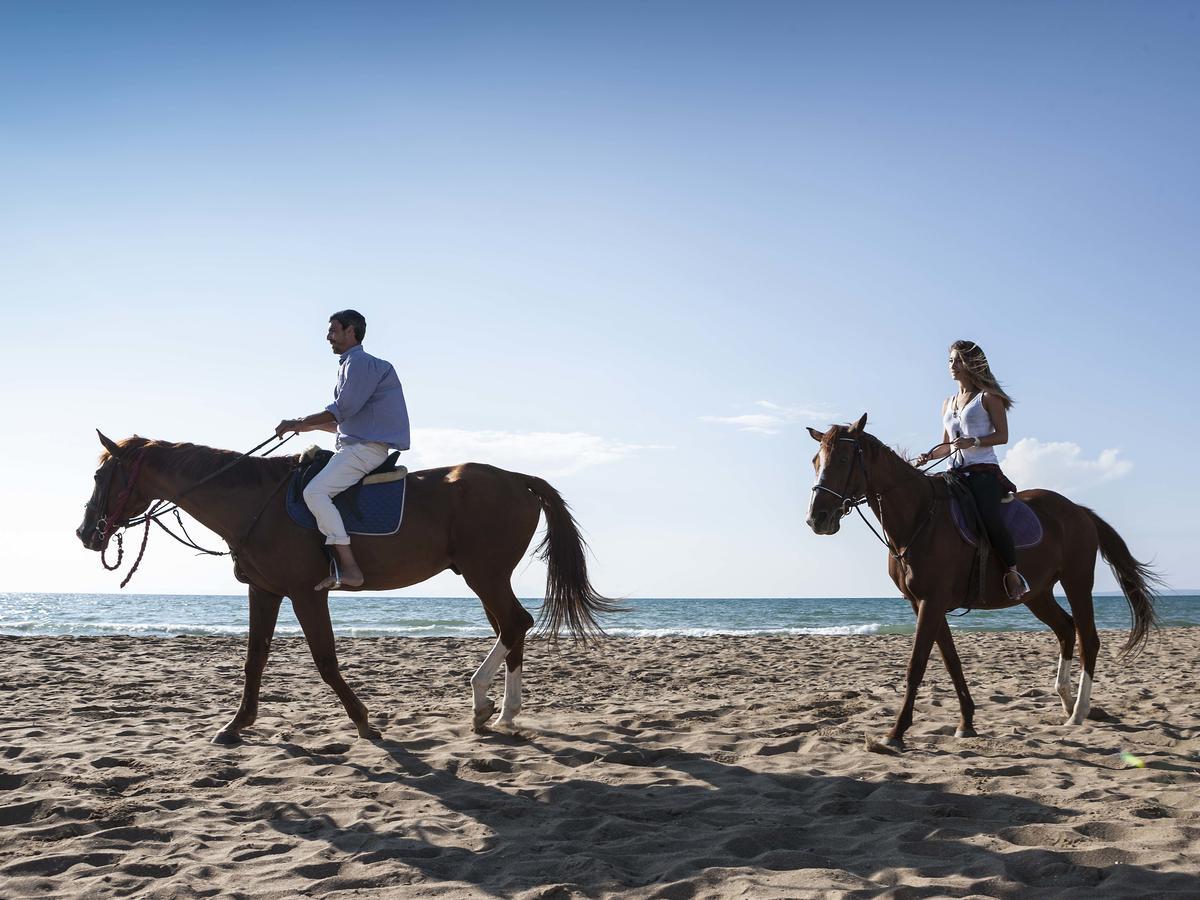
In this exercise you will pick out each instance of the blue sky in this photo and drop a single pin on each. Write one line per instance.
(633, 248)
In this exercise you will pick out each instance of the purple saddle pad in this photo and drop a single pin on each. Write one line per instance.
(1021, 521)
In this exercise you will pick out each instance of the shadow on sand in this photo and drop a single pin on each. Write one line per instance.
(587, 835)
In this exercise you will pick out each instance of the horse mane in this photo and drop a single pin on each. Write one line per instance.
(830, 438)
(195, 462)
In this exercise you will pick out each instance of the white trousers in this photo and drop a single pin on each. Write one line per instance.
(345, 470)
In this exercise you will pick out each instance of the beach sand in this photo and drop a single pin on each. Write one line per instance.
(666, 767)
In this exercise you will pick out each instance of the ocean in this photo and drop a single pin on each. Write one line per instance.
(373, 615)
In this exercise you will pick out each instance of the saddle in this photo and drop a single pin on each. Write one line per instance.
(314, 459)
(1019, 518)
(373, 506)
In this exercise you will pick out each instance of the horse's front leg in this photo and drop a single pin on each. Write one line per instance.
(312, 610)
(264, 611)
(930, 619)
(966, 706)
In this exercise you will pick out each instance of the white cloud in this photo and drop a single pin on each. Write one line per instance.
(772, 419)
(1061, 466)
(545, 453)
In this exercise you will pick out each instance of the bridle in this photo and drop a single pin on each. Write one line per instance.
(848, 502)
(108, 525)
(858, 459)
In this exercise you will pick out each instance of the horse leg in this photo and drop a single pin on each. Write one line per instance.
(966, 706)
(930, 620)
(510, 621)
(313, 613)
(1048, 611)
(516, 656)
(1079, 595)
(264, 611)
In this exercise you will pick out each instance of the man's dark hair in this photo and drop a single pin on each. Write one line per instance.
(349, 318)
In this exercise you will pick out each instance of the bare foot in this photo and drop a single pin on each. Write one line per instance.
(349, 580)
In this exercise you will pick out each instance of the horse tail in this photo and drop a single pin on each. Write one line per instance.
(571, 601)
(1138, 582)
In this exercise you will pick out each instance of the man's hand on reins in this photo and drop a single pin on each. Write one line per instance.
(321, 421)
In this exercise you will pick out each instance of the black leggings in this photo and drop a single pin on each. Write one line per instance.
(988, 492)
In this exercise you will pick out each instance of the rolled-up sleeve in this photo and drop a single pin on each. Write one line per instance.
(354, 389)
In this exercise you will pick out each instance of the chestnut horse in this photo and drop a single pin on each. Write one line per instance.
(932, 565)
(474, 519)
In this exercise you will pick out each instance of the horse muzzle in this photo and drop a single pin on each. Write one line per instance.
(94, 538)
(825, 521)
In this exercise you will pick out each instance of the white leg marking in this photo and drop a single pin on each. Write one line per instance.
(512, 696)
(1084, 702)
(1062, 683)
(482, 679)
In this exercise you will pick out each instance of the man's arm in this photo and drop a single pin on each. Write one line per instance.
(322, 421)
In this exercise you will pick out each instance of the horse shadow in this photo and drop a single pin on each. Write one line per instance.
(582, 833)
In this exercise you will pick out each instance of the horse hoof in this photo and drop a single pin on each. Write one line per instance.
(366, 731)
(888, 746)
(966, 732)
(482, 714)
(227, 738)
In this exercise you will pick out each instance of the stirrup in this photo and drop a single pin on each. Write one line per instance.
(1022, 588)
(335, 572)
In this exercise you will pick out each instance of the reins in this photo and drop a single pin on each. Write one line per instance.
(850, 503)
(162, 507)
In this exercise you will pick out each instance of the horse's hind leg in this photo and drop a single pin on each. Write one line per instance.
(510, 621)
(1048, 611)
(512, 673)
(264, 611)
(1079, 595)
(312, 611)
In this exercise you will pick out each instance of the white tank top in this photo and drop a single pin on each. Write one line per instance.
(972, 421)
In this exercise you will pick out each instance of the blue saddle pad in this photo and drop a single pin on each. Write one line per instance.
(1022, 523)
(365, 508)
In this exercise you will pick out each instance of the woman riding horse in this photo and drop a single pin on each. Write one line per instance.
(974, 421)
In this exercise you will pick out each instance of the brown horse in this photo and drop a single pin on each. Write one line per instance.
(474, 519)
(932, 565)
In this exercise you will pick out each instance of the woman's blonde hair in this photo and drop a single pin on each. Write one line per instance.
(976, 362)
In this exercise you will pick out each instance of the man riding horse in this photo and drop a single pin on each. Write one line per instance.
(369, 416)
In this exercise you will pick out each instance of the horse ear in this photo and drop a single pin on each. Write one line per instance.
(113, 450)
(860, 424)
(816, 435)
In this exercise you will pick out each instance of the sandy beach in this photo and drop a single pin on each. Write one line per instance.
(668, 767)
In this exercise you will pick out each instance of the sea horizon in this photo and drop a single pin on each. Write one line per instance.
(32, 614)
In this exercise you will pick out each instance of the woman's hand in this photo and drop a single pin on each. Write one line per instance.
(921, 460)
(963, 443)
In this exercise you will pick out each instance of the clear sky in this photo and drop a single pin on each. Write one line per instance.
(633, 248)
